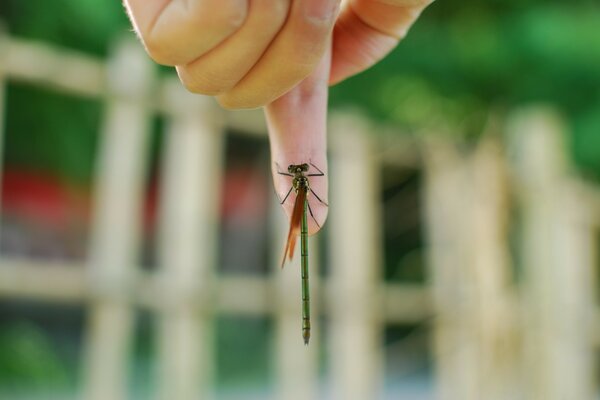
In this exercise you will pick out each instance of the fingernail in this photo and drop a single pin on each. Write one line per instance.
(320, 10)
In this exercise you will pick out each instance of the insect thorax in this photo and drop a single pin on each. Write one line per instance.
(300, 181)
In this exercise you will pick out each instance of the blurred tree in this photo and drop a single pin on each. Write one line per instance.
(86, 25)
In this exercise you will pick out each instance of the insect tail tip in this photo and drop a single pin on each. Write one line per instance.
(306, 337)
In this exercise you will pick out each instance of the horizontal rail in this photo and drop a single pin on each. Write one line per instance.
(68, 283)
(79, 74)
(53, 67)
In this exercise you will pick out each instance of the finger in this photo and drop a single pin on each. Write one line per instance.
(176, 32)
(294, 54)
(297, 134)
(224, 66)
(367, 30)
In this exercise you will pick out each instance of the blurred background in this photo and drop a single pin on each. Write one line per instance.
(140, 234)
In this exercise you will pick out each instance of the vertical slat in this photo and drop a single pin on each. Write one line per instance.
(114, 239)
(356, 330)
(189, 210)
(3, 50)
(558, 261)
(491, 274)
(296, 365)
(466, 217)
(455, 377)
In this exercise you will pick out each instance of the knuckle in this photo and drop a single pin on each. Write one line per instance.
(228, 18)
(309, 43)
(237, 16)
(323, 20)
(312, 32)
(276, 12)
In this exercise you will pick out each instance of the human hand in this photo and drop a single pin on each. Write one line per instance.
(244, 52)
(248, 53)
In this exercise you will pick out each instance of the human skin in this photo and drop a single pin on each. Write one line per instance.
(280, 54)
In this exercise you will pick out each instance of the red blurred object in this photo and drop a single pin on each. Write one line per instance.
(43, 199)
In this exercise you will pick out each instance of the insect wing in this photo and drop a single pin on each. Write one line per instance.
(294, 225)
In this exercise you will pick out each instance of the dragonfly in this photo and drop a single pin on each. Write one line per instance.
(299, 224)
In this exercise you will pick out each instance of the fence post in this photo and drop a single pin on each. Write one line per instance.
(558, 261)
(356, 332)
(3, 50)
(467, 216)
(115, 227)
(189, 217)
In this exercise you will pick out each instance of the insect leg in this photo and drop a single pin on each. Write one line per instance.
(287, 195)
(312, 215)
(317, 168)
(282, 173)
(318, 198)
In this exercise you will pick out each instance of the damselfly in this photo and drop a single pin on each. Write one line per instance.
(299, 223)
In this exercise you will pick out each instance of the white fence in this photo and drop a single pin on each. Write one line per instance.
(495, 337)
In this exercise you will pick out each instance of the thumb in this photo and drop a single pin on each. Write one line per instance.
(297, 133)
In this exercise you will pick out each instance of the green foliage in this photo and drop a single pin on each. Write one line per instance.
(29, 362)
(51, 133)
(586, 142)
(87, 25)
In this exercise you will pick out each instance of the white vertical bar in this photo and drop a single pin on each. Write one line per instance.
(489, 274)
(356, 330)
(455, 372)
(189, 209)
(3, 50)
(558, 261)
(296, 364)
(466, 216)
(114, 237)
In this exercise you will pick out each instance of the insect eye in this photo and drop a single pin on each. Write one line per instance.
(291, 169)
(304, 167)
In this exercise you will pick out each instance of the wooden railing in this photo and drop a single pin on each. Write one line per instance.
(497, 336)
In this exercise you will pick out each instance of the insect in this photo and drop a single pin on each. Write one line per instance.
(299, 223)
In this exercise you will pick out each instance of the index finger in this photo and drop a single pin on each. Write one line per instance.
(297, 134)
